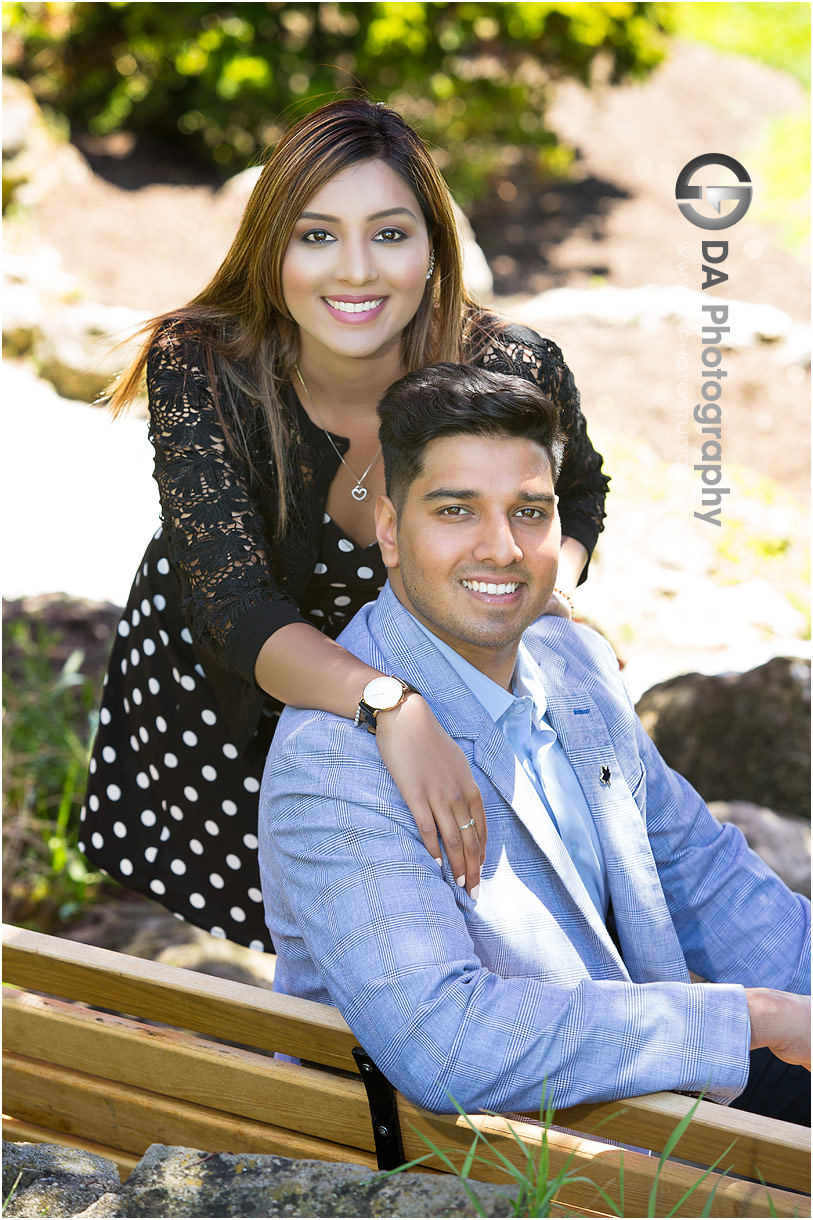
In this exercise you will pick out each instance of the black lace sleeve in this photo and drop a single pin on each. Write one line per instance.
(582, 485)
(215, 530)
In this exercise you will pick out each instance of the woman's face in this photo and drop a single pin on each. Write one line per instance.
(355, 268)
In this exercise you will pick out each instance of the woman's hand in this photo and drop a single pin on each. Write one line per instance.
(558, 605)
(434, 778)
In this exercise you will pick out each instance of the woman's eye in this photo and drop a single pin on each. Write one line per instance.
(390, 235)
(317, 237)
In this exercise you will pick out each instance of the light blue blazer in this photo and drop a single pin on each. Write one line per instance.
(487, 1001)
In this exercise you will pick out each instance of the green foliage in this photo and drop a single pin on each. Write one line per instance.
(775, 34)
(223, 79)
(48, 722)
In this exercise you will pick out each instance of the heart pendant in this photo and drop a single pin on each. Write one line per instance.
(358, 492)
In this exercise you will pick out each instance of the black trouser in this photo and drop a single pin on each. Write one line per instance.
(776, 1089)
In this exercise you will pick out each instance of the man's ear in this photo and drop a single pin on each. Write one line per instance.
(386, 531)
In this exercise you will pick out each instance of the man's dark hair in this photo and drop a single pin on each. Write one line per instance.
(457, 399)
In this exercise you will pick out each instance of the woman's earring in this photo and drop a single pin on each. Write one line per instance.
(431, 265)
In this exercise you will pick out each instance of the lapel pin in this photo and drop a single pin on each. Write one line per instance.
(604, 775)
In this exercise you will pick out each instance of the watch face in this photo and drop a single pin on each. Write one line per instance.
(383, 693)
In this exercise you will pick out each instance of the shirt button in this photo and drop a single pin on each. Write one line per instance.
(574, 849)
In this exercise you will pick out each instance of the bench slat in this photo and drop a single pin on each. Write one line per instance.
(74, 1103)
(178, 1065)
(597, 1161)
(26, 1133)
(198, 1002)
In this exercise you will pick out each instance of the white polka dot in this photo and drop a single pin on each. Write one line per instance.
(237, 914)
(218, 932)
(144, 568)
(164, 835)
(109, 754)
(338, 584)
(160, 724)
(124, 666)
(123, 627)
(104, 715)
(143, 780)
(92, 766)
(93, 801)
(162, 566)
(135, 618)
(148, 817)
(196, 846)
(148, 647)
(320, 569)
(229, 807)
(161, 632)
(216, 880)
(325, 519)
(126, 867)
(251, 784)
(146, 608)
(208, 773)
(136, 696)
(211, 827)
(341, 601)
(178, 916)
(157, 886)
(197, 901)
(125, 703)
(134, 743)
(80, 844)
(234, 861)
(188, 682)
(153, 770)
(345, 545)
(113, 792)
(119, 830)
(365, 573)
(135, 656)
(156, 536)
(153, 684)
(317, 614)
(257, 945)
(251, 841)
(176, 812)
(176, 673)
(185, 636)
(190, 738)
(97, 840)
(170, 760)
(200, 670)
(254, 894)
(208, 717)
(150, 853)
(143, 734)
(178, 867)
(229, 750)
(190, 793)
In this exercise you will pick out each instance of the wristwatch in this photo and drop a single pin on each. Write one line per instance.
(381, 695)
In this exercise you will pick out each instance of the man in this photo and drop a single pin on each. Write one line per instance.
(605, 878)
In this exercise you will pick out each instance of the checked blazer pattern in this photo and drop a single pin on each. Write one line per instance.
(489, 1001)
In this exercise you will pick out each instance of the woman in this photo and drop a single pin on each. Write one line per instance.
(344, 274)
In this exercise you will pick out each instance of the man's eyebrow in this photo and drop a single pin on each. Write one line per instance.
(465, 493)
(373, 216)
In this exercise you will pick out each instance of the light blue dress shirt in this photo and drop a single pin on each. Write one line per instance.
(522, 717)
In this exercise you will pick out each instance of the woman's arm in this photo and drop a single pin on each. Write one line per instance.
(301, 666)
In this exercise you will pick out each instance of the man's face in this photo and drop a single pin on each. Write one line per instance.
(474, 551)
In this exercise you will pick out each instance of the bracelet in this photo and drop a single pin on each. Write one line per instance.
(566, 597)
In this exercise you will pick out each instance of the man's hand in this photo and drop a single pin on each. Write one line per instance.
(780, 1021)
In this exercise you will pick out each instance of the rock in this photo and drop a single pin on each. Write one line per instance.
(738, 737)
(34, 161)
(48, 1180)
(185, 1182)
(782, 841)
(81, 348)
(476, 272)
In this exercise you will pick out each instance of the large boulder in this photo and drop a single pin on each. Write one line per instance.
(35, 159)
(48, 1180)
(779, 839)
(738, 737)
(82, 348)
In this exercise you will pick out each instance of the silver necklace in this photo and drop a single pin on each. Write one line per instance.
(359, 492)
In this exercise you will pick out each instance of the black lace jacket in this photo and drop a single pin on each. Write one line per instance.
(237, 585)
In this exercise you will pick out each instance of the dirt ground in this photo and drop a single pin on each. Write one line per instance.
(148, 232)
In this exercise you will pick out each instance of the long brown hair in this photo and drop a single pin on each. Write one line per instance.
(249, 338)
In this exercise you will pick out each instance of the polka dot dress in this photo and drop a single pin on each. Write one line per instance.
(171, 804)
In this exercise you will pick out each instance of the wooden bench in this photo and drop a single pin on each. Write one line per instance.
(114, 1085)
